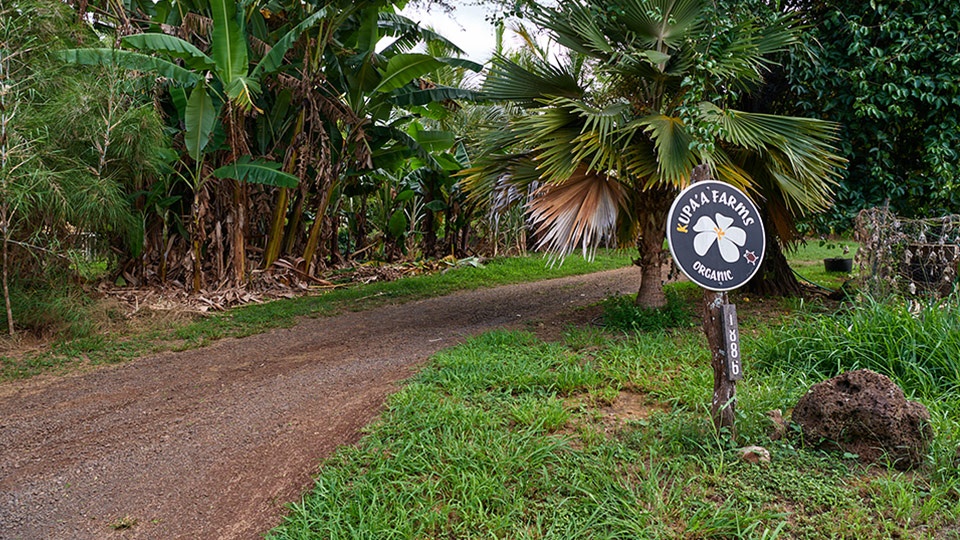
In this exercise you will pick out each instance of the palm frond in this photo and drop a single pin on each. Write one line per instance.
(796, 170)
(600, 141)
(662, 22)
(575, 28)
(509, 81)
(461, 63)
(434, 95)
(743, 53)
(578, 213)
(671, 140)
(800, 152)
(530, 43)
(552, 134)
(409, 33)
(638, 154)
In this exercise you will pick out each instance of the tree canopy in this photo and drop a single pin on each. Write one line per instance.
(646, 91)
(889, 72)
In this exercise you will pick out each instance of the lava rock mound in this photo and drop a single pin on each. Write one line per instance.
(865, 413)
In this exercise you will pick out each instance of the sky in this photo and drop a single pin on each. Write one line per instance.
(466, 27)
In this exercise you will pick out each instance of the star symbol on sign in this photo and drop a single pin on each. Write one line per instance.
(751, 257)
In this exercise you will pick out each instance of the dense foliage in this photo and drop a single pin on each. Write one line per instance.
(622, 313)
(889, 72)
(75, 143)
(199, 143)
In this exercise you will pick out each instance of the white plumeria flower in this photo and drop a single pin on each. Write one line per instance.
(729, 239)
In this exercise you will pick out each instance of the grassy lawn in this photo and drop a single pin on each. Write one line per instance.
(807, 262)
(101, 348)
(607, 434)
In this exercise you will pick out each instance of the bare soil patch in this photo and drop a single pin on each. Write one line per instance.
(212, 443)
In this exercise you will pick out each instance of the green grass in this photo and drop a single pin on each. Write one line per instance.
(507, 436)
(621, 313)
(918, 346)
(807, 261)
(84, 342)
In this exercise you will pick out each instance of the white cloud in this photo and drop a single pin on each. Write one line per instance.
(466, 26)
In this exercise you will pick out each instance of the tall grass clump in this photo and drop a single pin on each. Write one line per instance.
(917, 347)
(53, 308)
(621, 313)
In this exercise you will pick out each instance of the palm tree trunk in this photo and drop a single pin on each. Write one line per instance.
(653, 206)
(775, 277)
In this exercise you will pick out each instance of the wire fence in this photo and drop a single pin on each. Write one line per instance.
(910, 257)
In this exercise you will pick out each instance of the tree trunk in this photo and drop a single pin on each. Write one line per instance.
(195, 250)
(6, 278)
(650, 294)
(294, 222)
(236, 138)
(775, 277)
(429, 234)
(361, 241)
(279, 219)
(652, 208)
(238, 238)
(331, 233)
(723, 405)
(313, 240)
(277, 223)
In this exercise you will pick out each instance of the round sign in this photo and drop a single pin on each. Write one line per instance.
(716, 235)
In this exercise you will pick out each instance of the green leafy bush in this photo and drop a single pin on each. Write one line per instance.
(621, 313)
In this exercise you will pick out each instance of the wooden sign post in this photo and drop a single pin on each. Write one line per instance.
(717, 239)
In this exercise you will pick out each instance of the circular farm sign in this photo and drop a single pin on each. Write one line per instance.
(715, 235)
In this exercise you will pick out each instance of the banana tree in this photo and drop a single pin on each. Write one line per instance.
(222, 89)
(377, 89)
(641, 97)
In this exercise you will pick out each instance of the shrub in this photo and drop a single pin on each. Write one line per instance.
(621, 313)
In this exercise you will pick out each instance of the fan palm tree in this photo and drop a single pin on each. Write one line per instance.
(640, 96)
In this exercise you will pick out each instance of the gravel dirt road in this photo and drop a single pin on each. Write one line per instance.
(212, 443)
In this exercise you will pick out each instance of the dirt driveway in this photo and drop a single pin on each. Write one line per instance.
(211, 443)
